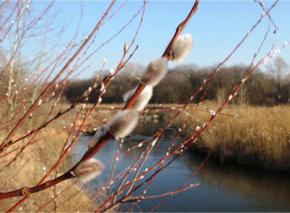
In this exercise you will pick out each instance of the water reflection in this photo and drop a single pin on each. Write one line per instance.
(262, 190)
(222, 187)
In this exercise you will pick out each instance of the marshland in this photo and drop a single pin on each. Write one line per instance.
(144, 106)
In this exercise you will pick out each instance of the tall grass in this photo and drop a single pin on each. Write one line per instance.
(257, 136)
(34, 162)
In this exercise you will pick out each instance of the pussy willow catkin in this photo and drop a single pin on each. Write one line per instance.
(181, 47)
(142, 100)
(88, 170)
(122, 123)
(101, 132)
(155, 72)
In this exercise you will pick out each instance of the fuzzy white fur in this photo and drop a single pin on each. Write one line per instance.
(181, 47)
(142, 99)
(96, 137)
(88, 170)
(155, 72)
(123, 123)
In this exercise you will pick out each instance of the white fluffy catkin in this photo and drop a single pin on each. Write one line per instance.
(155, 72)
(101, 132)
(88, 170)
(142, 100)
(181, 47)
(123, 123)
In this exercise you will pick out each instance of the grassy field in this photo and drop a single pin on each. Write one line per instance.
(258, 136)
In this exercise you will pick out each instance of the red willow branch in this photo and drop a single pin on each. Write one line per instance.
(57, 195)
(17, 125)
(201, 165)
(105, 82)
(269, 16)
(79, 50)
(119, 67)
(167, 53)
(211, 75)
(69, 174)
(254, 57)
(130, 103)
(197, 133)
(59, 95)
(166, 194)
(106, 206)
(179, 150)
(148, 152)
(80, 127)
(26, 191)
(182, 146)
(137, 176)
(114, 35)
(21, 15)
(91, 152)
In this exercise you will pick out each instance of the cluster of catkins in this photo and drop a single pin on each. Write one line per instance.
(124, 122)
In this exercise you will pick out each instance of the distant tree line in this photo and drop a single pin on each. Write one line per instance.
(269, 87)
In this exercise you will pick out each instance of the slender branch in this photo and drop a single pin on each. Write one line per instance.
(179, 29)
(167, 53)
(83, 45)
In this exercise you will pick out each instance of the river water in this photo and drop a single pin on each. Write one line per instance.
(221, 187)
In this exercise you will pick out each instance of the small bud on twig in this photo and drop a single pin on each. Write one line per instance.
(155, 72)
(142, 99)
(181, 47)
(25, 191)
(88, 170)
(123, 123)
(126, 48)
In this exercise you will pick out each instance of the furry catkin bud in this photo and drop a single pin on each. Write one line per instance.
(142, 100)
(88, 170)
(123, 123)
(155, 72)
(181, 47)
(126, 48)
(100, 133)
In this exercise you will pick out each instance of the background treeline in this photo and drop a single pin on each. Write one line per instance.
(269, 87)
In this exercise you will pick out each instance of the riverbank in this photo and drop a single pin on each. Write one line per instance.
(245, 135)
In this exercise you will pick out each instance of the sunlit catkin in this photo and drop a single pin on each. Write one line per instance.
(88, 170)
(155, 72)
(142, 100)
(100, 133)
(122, 123)
(181, 47)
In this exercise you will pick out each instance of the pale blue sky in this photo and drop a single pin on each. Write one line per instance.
(216, 28)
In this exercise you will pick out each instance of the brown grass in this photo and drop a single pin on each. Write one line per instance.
(35, 161)
(258, 136)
